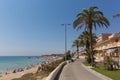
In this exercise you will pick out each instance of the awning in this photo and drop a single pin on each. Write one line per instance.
(113, 50)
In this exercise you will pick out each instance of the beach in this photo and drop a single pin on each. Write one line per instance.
(12, 75)
(18, 72)
(16, 66)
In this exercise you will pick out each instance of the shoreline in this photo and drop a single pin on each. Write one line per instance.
(10, 75)
(18, 73)
(10, 63)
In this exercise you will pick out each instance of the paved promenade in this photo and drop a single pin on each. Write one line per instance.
(75, 71)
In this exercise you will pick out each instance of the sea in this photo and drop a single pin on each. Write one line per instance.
(10, 63)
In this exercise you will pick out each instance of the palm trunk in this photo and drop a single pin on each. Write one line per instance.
(77, 51)
(88, 48)
(91, 48)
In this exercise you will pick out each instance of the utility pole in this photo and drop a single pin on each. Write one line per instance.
(65, 25)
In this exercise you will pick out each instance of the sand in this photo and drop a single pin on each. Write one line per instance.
(11, 75)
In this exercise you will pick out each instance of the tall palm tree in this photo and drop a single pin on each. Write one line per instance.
(90, 18)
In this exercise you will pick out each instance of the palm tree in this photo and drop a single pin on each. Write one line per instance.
(90, 18)
(116, 15)
(77, 43)
(85, 38)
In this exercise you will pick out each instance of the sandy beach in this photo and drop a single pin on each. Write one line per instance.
(11, 75)
(30, 69)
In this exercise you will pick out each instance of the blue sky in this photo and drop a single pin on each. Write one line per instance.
(33, 27)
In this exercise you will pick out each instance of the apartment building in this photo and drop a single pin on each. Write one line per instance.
(103, 37)
(109, 46)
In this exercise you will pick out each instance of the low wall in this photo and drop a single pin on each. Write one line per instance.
(56, 72)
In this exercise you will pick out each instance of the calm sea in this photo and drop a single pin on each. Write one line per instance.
(9, 63)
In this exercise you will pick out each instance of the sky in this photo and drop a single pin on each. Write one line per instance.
(33, 27)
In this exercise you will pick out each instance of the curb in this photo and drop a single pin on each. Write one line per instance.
(56, 71)
(103, 77)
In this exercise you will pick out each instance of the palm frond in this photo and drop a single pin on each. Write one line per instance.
(99, 13)
(80, 26)
(94, 26)
(93, 7)
(77, 22)
(105, 20)
(79, 14)
(116, 15)
(90, 18)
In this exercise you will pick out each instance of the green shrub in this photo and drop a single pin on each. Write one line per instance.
(68, 55)
(110, 64)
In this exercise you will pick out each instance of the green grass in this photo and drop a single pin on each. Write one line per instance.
(114, 74)
(86, 63)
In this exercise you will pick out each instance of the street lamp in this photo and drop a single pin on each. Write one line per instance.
(65, 25)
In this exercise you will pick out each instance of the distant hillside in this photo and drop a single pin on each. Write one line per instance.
(60, 55)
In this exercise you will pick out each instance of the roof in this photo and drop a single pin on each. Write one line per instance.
(116, 36)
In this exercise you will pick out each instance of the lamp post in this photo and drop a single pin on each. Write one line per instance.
(65, 25)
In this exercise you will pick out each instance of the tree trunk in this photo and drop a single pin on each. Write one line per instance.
(88, 47)
(88, 52)
(77, 51)
(91, 48)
